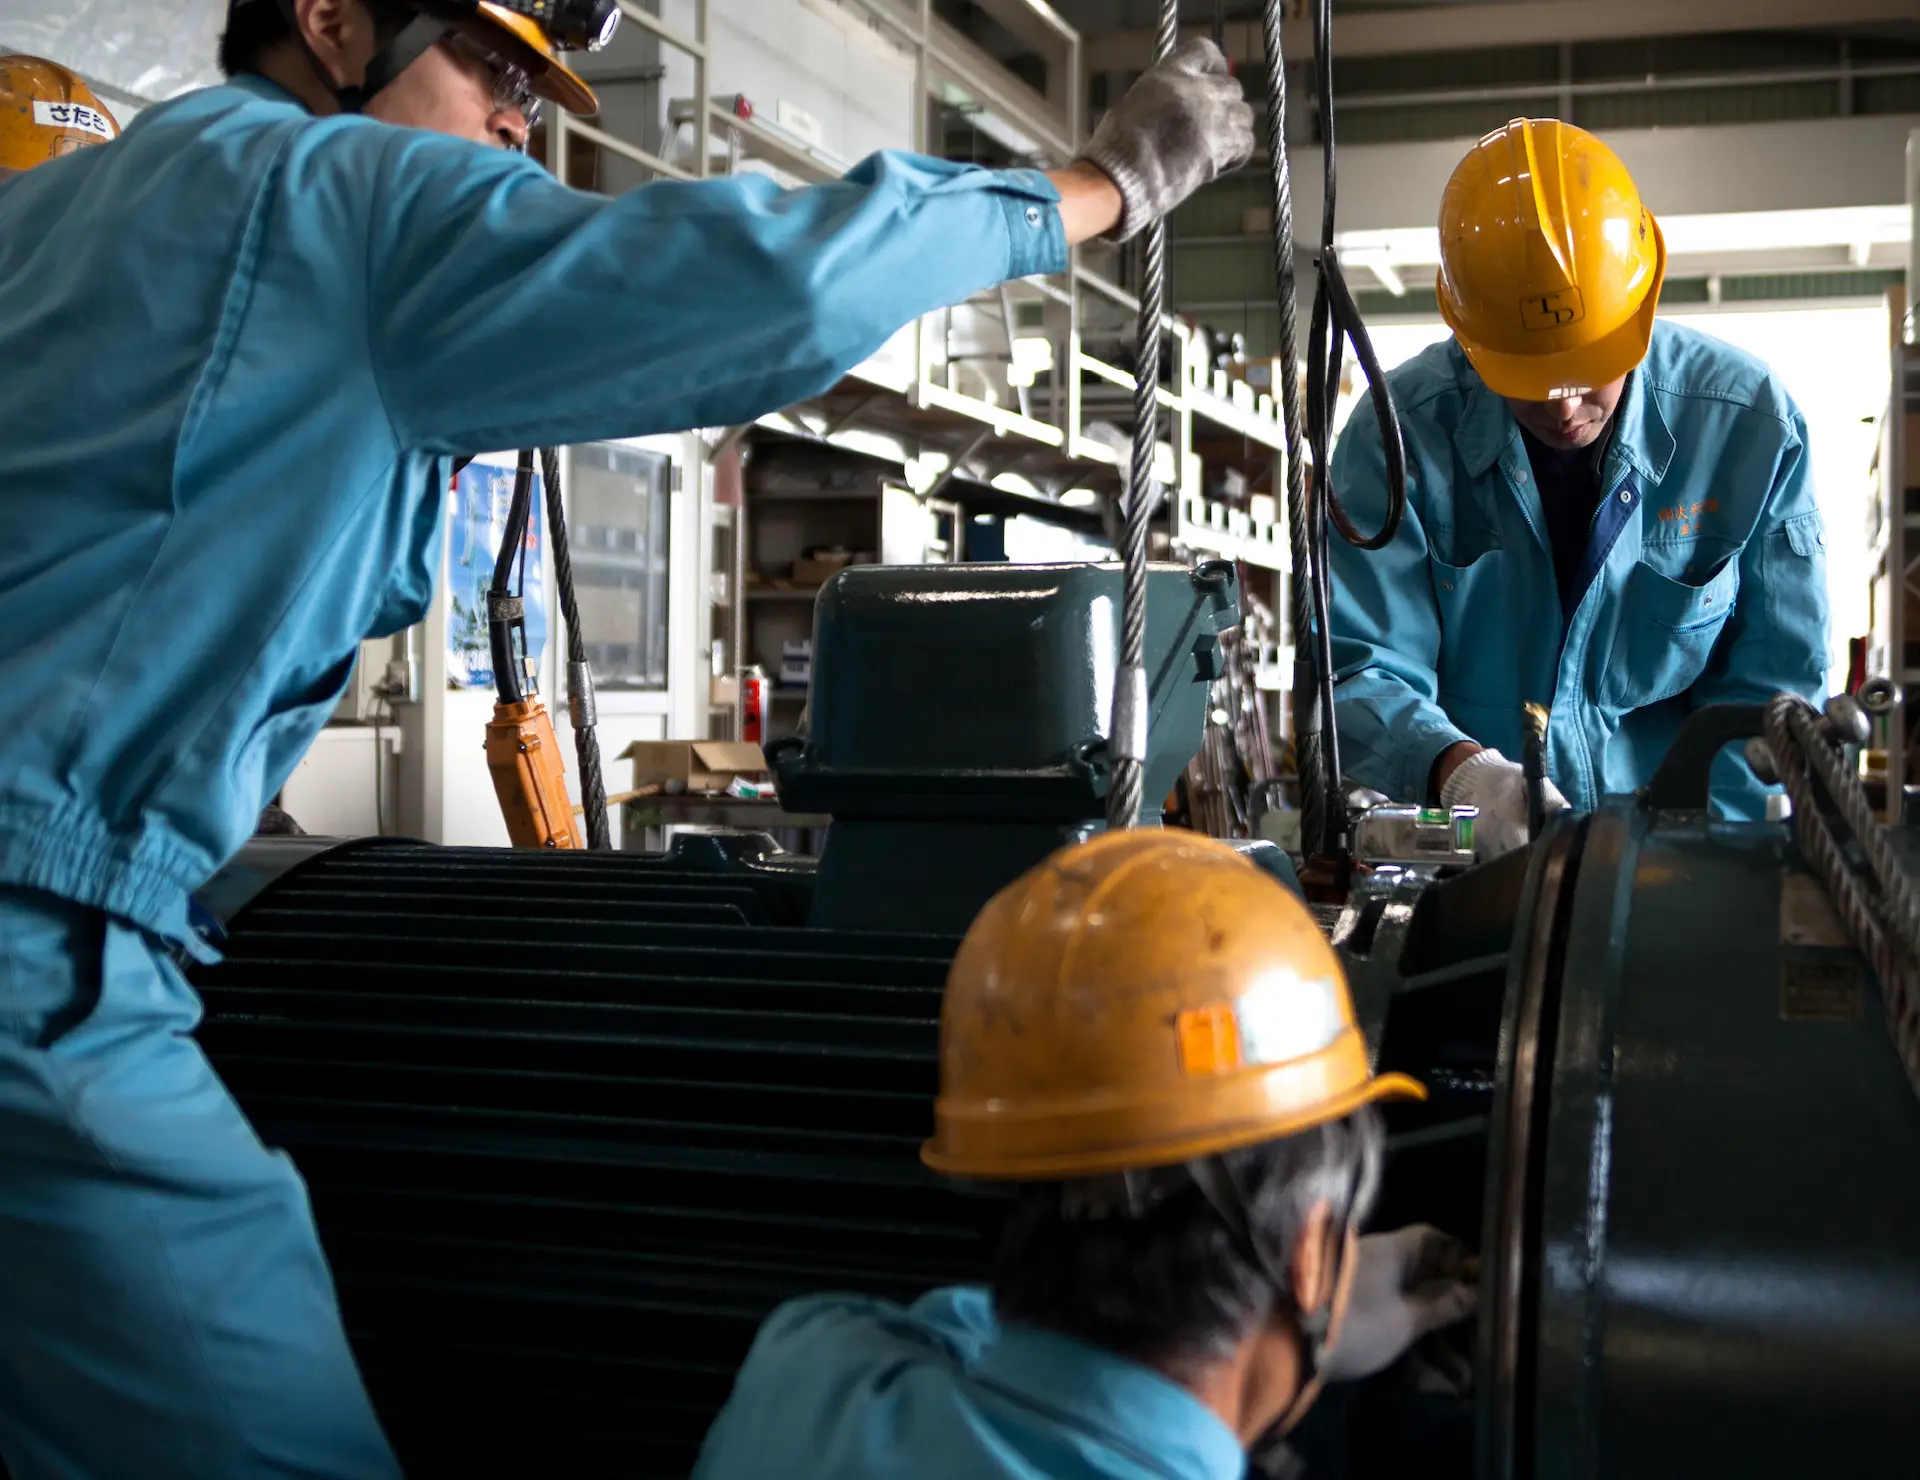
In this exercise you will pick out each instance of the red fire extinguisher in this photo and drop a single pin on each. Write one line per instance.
(753, 706)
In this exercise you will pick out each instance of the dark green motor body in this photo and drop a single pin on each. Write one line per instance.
(573, 1124)
(1700, 1214)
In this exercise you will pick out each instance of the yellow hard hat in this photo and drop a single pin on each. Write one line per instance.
(1143, 999)
(1550, 266)
(46, 111)
(522, 39)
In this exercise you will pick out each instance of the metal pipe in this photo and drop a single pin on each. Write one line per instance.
(946, 477)
(1623, 85)
(631, 151)
(646, 20)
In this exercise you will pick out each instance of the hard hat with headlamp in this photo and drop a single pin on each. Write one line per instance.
(522, 38)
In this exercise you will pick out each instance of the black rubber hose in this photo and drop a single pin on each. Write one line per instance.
(581, 706)
(1346, 312)
(505, 613)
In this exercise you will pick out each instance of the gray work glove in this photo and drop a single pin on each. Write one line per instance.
(1498, 787)
(1407, 1285)
(1185, 122)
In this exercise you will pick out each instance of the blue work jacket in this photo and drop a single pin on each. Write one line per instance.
(843, 1387)
(1705, 580)
(239, 350)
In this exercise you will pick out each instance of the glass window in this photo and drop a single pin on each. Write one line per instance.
(617, 515)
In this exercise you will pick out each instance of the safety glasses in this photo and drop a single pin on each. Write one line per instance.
(512, 86)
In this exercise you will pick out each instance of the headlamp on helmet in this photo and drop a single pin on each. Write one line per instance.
(576, 25)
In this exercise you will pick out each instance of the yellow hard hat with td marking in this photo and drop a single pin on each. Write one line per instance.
(1550, 264)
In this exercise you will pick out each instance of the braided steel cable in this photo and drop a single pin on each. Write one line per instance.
(581, 709)
(1129, 730)
(1879, 908)
(1309, 759)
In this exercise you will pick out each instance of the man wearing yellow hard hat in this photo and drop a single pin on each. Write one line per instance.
(241, 347)
(1607, 514)
(1151, 1043)
(45, 112)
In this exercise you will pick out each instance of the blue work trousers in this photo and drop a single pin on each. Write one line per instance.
(165, 1310)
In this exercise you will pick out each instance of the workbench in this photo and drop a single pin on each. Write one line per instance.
(645, 821)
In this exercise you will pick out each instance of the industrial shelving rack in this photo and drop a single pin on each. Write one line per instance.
(944, 401)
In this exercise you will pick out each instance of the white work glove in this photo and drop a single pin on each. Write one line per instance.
(1406, 1285)
(1498, 787)
(1184, 123)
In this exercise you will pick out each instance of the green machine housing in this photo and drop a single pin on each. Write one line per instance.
(959, 721)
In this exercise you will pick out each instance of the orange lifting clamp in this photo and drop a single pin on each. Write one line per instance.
(530, 777)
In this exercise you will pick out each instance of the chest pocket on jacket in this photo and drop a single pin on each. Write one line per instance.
(1666, 634)
(1475, 606)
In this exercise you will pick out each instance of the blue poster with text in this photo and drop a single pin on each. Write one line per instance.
(476, 524)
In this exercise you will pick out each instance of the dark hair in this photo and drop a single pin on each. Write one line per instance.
(1173, 1284)
(255, 29)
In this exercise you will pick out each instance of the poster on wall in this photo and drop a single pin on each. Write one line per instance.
(476, 524)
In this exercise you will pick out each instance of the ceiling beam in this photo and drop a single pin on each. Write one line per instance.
(1812, 164)
(1494, 23)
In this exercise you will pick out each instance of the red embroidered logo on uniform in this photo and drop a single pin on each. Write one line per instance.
(1688, 515)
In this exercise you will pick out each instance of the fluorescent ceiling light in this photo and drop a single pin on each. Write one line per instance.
(1857, 228)
(1380, 264)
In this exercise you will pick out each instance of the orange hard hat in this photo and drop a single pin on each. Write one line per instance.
(46, 111)
(523, 40)
(1550, 265)
(1143, 999)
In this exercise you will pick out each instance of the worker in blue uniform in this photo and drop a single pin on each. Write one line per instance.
(1609, 516)
(240, 349)
(1153, 1043)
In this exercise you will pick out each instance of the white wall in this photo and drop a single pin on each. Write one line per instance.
(348, 783)
(1834, 363)
(811, 54)
(817, 57)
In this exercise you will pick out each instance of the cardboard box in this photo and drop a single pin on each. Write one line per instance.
(697, 765)
(723, 691)
(1261, 373)
(818, 566)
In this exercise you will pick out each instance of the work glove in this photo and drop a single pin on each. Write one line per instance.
(1406, 1285)
(1185, 122)
(1498, 787)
